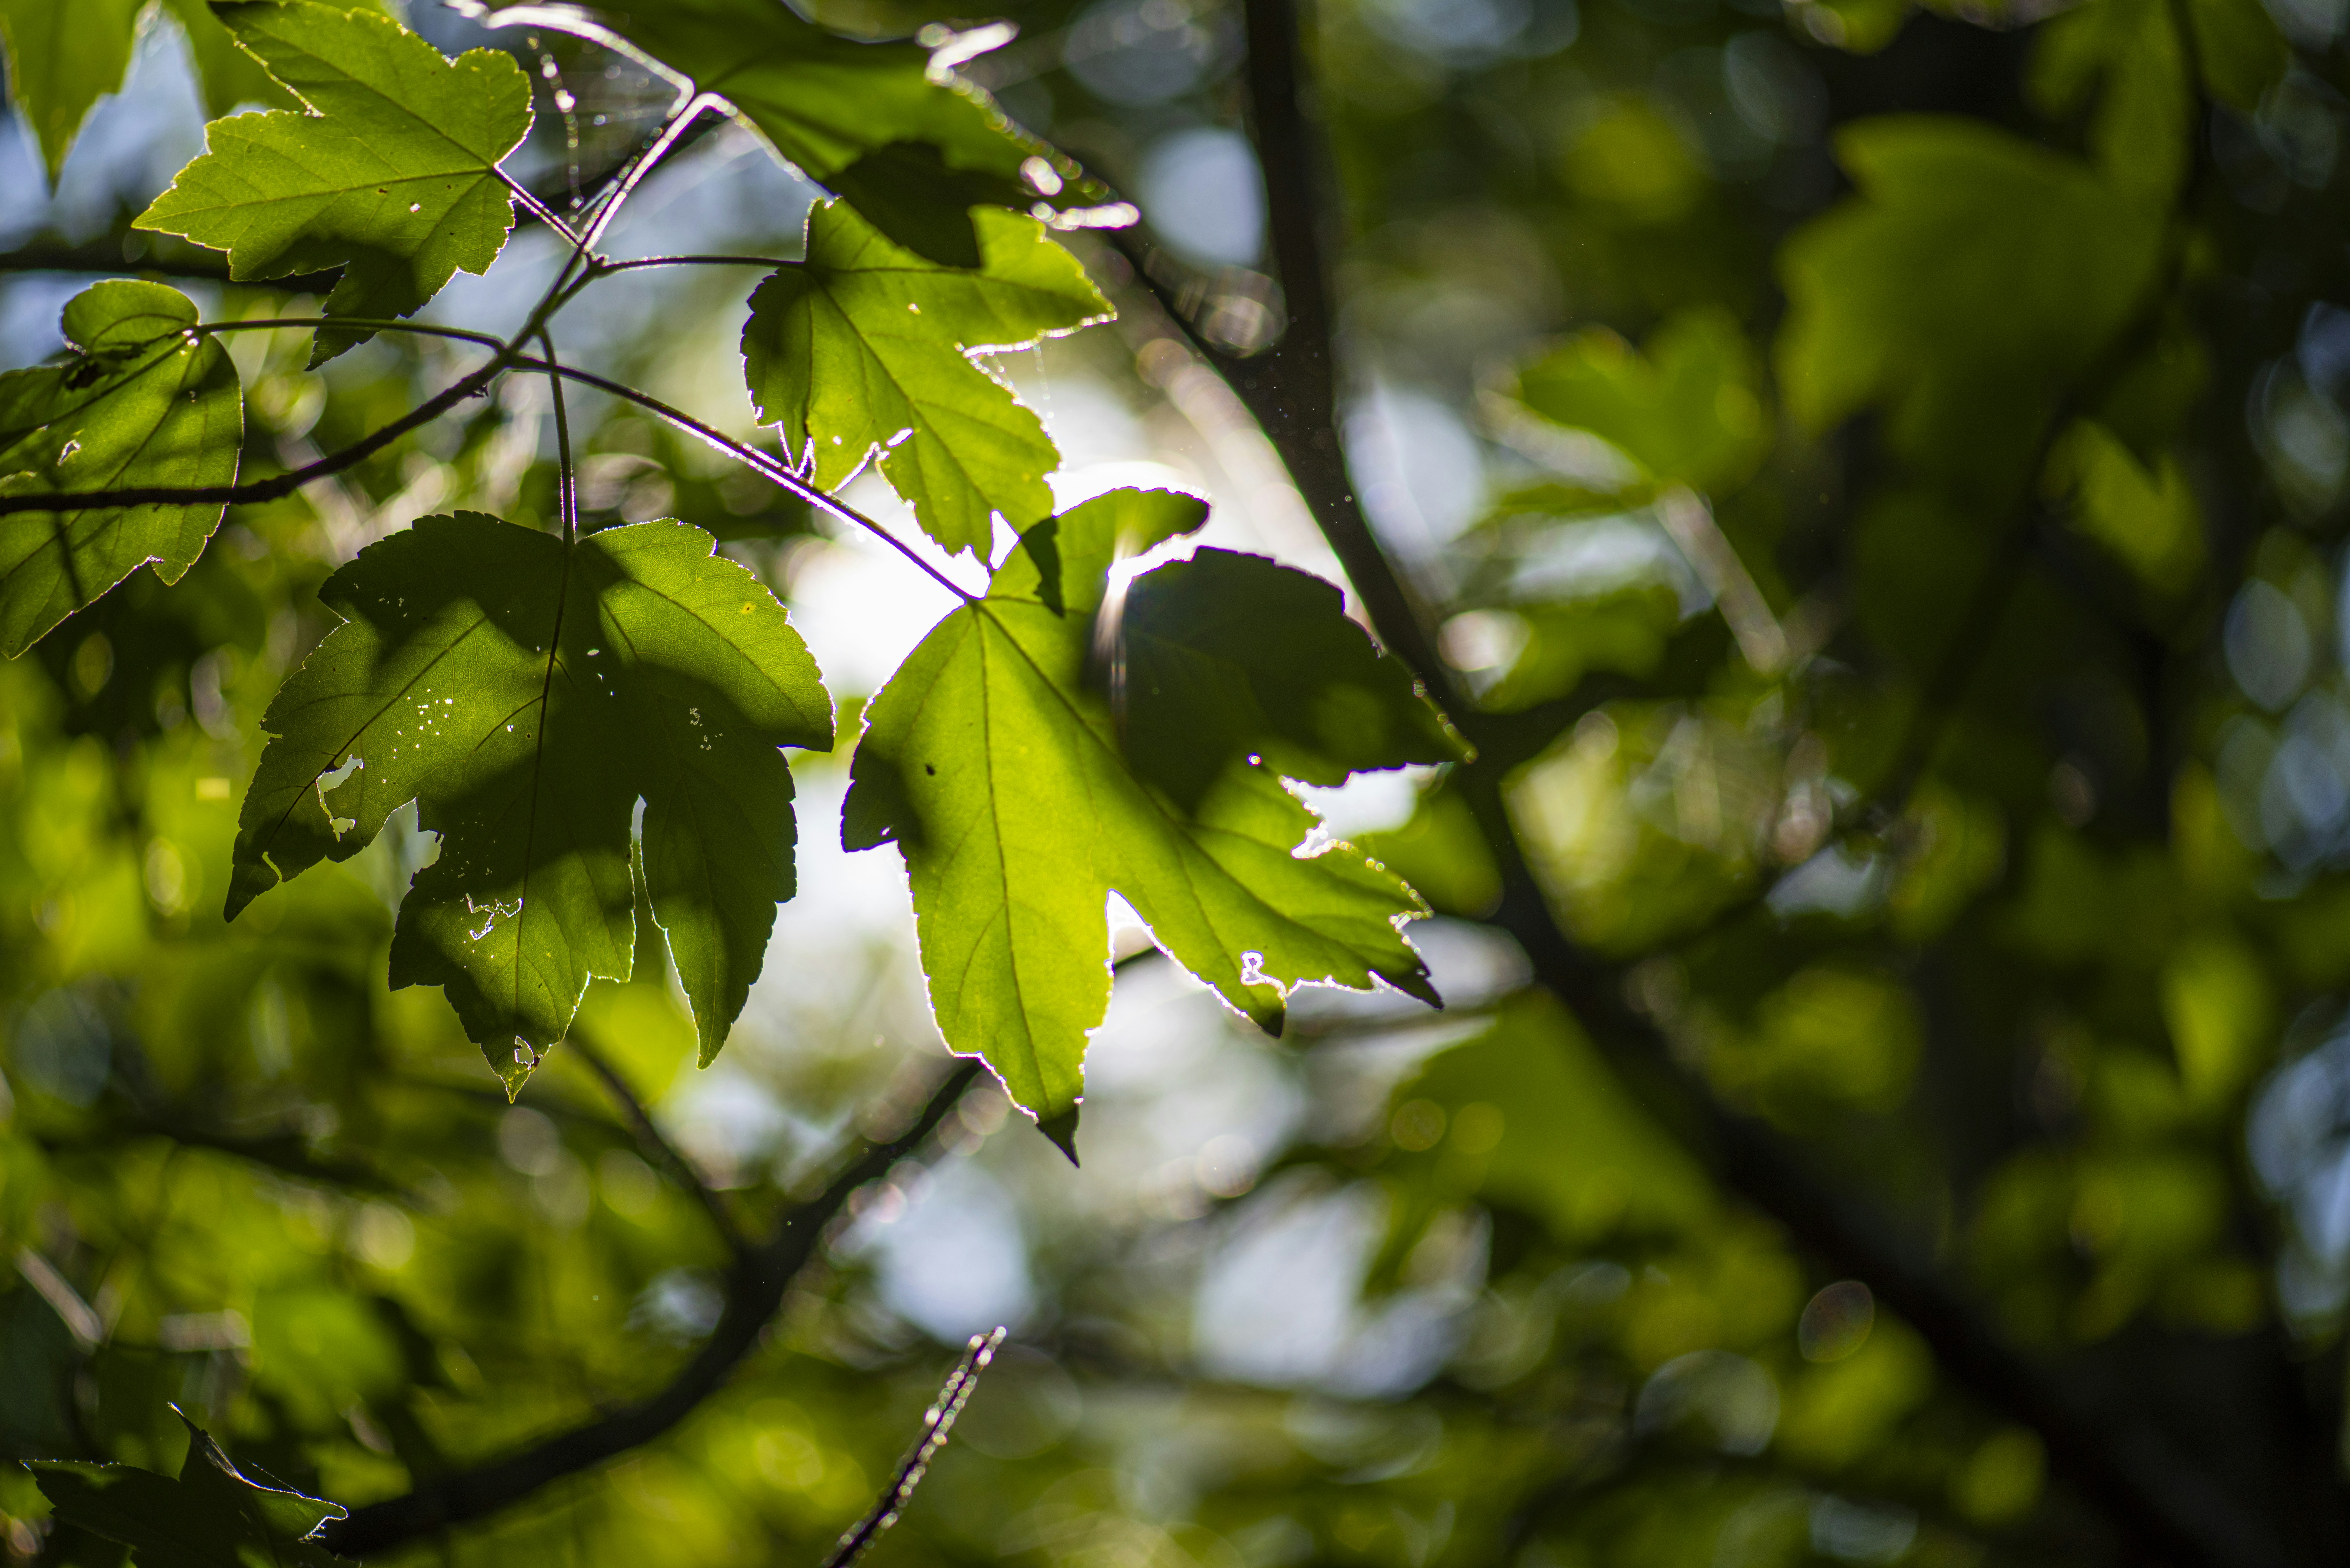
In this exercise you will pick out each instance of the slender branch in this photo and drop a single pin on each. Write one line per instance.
(644, 164)
(537, 208)
(936, 1422)
(104, 255)
(365, 323)
(755, 1290)
(766, 463)
(693, 261)
(1295, 394)
(278, 485)
(657, 1148)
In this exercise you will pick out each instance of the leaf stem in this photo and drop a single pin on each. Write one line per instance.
(567, 476)
(692, 260)
(766, 463)
(644, 165)
(537, 208)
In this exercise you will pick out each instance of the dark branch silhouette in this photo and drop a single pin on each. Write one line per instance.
(755, 1290)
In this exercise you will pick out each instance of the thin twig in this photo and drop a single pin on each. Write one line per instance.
(362, 323)
(755, 1290)
(936, 1422)
(537, 208)
(766, 463)
(644, 164)
(662, 1153)
(693, 261)
(278, 485)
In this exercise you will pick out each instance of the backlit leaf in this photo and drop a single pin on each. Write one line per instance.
(867, 347)
(391, 175)
(1022, 793)
(142, 401)
(61, 60)
(526, 694)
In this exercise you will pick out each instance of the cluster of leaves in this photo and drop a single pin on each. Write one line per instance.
(466, 678)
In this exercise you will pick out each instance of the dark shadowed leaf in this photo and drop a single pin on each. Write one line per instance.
(213, 1516)
(527, 695)
(843, 110)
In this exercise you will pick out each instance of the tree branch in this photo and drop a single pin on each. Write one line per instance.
(936, 1422)
(278, 485)
(2134, 1474)
(766, 463)
(662, 1153)
(754, 1290)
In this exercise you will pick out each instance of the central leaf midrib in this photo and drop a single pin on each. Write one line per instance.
(1174, 828)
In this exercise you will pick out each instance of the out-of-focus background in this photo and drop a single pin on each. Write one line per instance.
(2064, 1017)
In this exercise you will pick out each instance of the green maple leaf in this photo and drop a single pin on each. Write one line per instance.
(844, 111)
(867, 347)
(526, 694)
(213, 1516)
(1687, 411)
(1024, 783)
(1976, 275)
(391, 174)
(142, 401)
(61, 60)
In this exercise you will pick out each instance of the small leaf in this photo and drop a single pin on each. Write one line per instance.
(391, 174)
(829, 106)
(994, 760)
(142, 401)
(213, 1516)
(866, 348)
(1687, 411)
(526, 694)
(61, 60)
